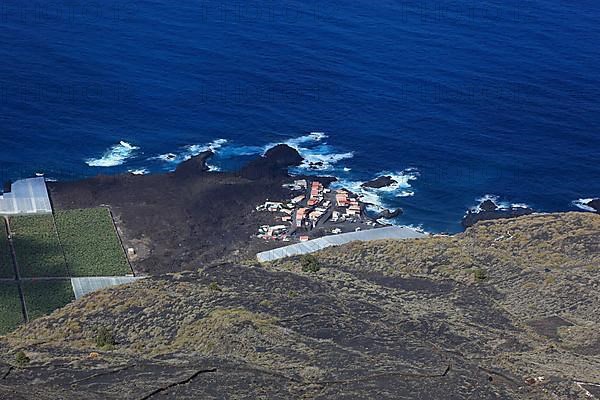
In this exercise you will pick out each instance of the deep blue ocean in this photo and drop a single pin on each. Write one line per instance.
(457, 99)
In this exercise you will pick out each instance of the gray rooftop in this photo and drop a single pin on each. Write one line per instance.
(390, 232)
(83, 286)
(27, 196)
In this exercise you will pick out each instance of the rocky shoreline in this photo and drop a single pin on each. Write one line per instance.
(193, 215)
(593, 204)
(179, 220)
(489, 210)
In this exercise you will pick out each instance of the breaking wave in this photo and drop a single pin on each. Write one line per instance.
(115, 156)
(190, 151)
(381, 198)
(582, 204)
(139, 171)
(317, 154)
(502, 204)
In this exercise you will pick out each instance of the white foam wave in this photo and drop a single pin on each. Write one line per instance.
(317, 155)
(519, 205)
(582, 204)
(310, 138)
(296, 143)
(191, 151)
(116, 155)
(321, 160)
(502, 204)
(376, 198)
(139, 171)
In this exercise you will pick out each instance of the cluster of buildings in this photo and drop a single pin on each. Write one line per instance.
(275, 232)
(315, 206)
(349, 203)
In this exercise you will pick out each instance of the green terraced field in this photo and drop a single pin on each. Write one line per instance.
(6, 266)
(10, 307)
(90, 242)
(43, 297)
(37, 247)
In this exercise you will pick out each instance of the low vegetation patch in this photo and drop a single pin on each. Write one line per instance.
(10, 308)
(43, 297)
(90, 242)
(224, 331)
(21, 359)
(479, 274)
(310, 263)
(37, 246)
(105, 338)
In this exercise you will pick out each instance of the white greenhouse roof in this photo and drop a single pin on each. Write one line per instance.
(83, 286)
(27, 196)
(390, 232)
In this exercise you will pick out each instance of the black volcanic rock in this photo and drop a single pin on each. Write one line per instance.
(488, 205)
(283, 155)
(380, 182)
(391, 214)
(489, 210)
(595, 204)
(273, 164)
(194, 165)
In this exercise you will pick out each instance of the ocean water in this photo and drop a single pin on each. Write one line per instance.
(459, 100)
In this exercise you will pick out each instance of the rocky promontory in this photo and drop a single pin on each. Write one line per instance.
(273, 164)
(489, 210)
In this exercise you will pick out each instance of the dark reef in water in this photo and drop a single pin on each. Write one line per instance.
(390, 214)
(489, 210)
(595, 204)
(380, 182)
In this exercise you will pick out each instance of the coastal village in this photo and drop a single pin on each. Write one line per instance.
(314, 211)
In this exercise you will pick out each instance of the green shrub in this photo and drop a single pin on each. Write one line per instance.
(479, 274)
(310, 263)
(105, 337)
(266, 303)
(214, 287)
(21, 359)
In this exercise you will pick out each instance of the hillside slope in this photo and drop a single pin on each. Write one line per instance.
(507, 310)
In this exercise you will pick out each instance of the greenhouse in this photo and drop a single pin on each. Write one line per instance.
(390, 232)
(27, 196)
(83, 286)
